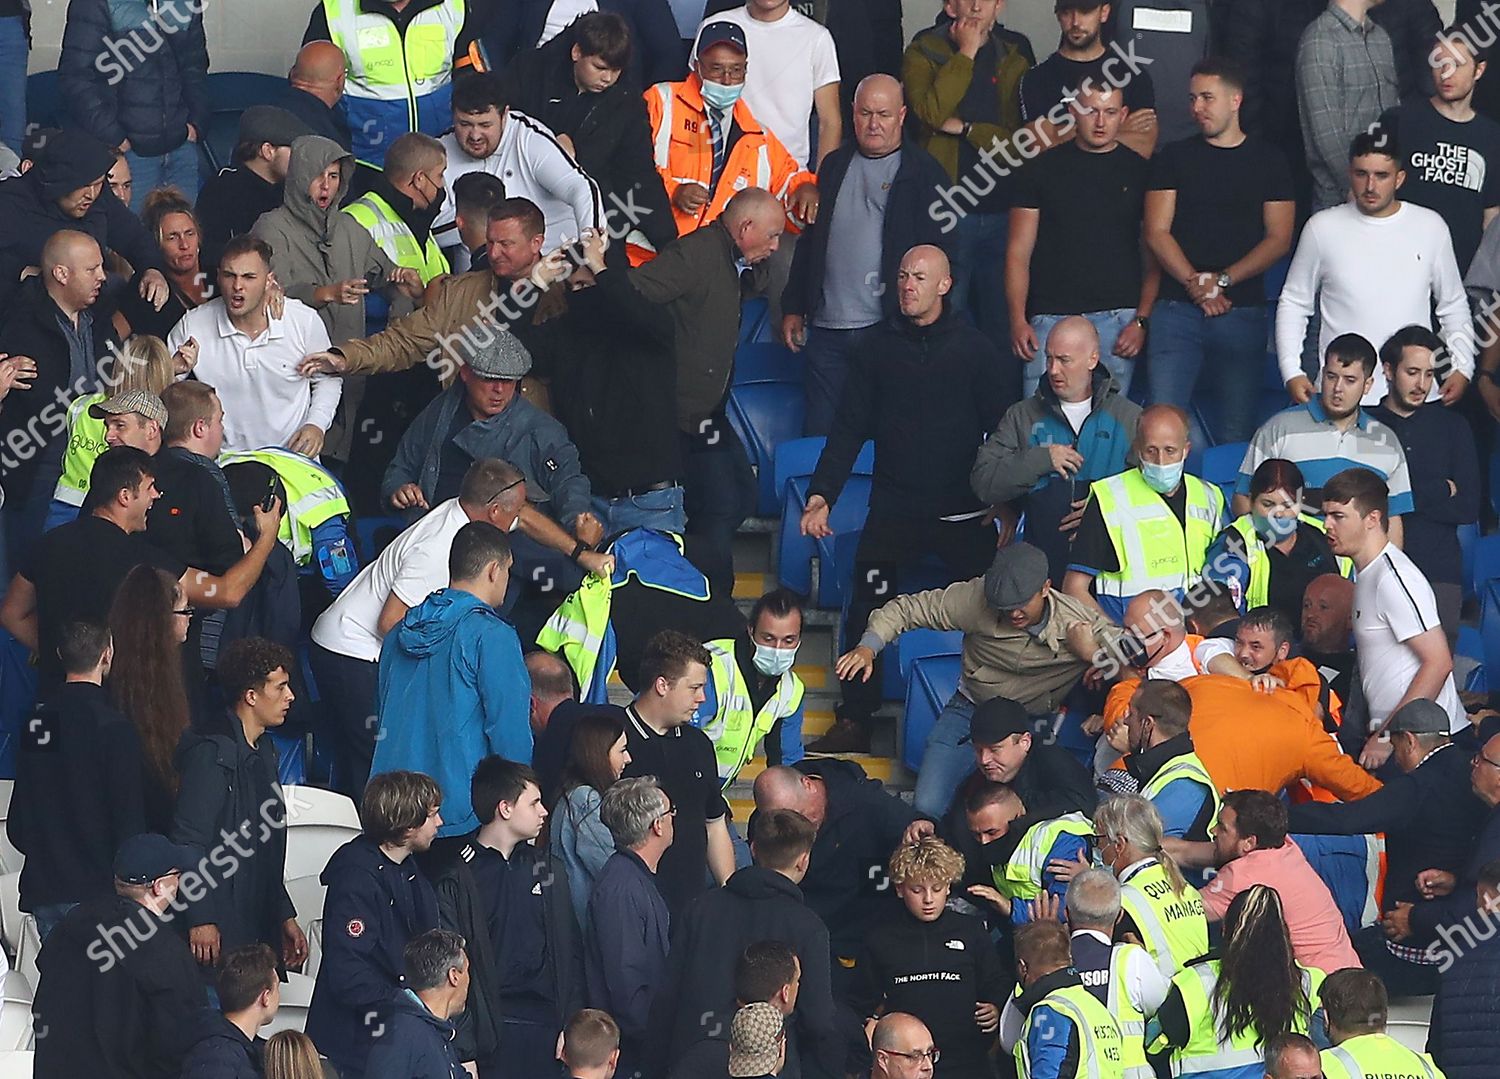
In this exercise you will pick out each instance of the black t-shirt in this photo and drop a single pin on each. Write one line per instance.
(1088, 245)
(76, 572)
(682, 760)
(1220, 209)
(1447, 169)
(1045, 86)
(229, 205)
(191, 519)
(1091, 546)
(143, 317)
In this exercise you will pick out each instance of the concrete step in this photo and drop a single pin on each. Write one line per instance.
(881, 768)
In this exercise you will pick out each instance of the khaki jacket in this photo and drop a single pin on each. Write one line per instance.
(1000, 660)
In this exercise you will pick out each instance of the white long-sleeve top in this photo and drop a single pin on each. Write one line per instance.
(1377, 274)
(265, 399)
(533, 165)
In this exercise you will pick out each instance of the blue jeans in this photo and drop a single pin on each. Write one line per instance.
(948, 758)
(661, 510)
(47, 916)
(829, 355)
(978, 267)
(1107, 323)
(1182, 339)
(13, 52)
(177, 168)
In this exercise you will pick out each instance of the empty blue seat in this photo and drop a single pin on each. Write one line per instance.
(754, 319)
(766, 361)
(1471, 646)
(764, 415)
(1221, 465)
(1468, 538)
(794, 465)
(911, 646)
(932, 681)
(373, 534)
(1486, 566)
(229, 94)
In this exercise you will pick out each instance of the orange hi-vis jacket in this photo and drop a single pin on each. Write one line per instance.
(1259, 741)
(683, 149)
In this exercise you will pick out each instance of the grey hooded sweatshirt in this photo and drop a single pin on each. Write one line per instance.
(311, 248)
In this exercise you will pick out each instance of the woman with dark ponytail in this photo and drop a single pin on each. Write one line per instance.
(1223, 1010)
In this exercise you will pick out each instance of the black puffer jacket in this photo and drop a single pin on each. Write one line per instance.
(220, 1050)
(137, 70)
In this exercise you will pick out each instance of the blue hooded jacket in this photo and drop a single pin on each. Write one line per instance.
(453, 690)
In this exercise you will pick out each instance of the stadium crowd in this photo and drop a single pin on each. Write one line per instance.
(345, 484)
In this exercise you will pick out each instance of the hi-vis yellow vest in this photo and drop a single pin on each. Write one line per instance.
(1258, 590)
(1153, 549)
(1184, 766)
(1207, 1054)
(395, 238)
(1099, 1043)
(1131, 1020)
(313, 496)
(85, 444)
(736, 730)
(1377, 1055)
(1020, 878)
(1173, 927)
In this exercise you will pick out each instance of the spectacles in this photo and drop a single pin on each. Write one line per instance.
(514, 483)
(1481, 757)
(187, 612)
(933, 1055)
(669, 813)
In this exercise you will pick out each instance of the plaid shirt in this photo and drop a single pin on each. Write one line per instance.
(1346, 77)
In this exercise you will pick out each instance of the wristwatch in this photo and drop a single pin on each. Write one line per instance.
(1223, 280)
(578, 549)
(1140, 320)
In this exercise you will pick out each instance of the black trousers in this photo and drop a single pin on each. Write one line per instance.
(890, 548)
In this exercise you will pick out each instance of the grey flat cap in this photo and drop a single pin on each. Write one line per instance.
(502, 356)
(1016, 575)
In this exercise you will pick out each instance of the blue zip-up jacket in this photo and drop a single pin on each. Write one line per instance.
(415, 1044)
(523, 434)
(453, 690)
(374, 906)
(1015, 464)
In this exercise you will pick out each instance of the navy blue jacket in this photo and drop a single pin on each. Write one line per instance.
(1439, 916)
(415, 1045)
(1464, 1037)
(114, 95)
(1429, 817)
(374, 906)
(626, 955)
(1437, 450)
(221, 1050)
(906, 224)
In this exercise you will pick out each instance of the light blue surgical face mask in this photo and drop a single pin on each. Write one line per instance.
(720, 95)
(1162, 478)
(1272, 529)
(774, 662)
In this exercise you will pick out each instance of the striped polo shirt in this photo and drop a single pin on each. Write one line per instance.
(1304, 435)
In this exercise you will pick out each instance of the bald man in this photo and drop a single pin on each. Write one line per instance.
(50, 321)
(928, 388)
(903, 1048)
(1149, 526)
(1075, 430)
(874, 195)
(315, 86)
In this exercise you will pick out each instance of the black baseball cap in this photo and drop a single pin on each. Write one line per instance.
(996, 720)
(144, 858)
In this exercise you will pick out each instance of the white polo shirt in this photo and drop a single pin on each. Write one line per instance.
(1392, 604)
(265, 400)
(413, 566)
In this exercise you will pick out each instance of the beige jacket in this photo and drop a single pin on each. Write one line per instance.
(999, 660)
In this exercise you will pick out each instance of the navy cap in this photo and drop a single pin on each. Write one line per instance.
(722, 32)
(996, 720)
(144, 858)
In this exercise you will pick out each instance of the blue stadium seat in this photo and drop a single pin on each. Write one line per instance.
(229, 94)
(766, 361)
(372, 534)
(1221, 465)
(764, 415)
(1489, 626)
(911, 646)
(755, 319)
(1486, 567)
(794, 464)
(1471, 646)
(933, 680)
(1468, 539)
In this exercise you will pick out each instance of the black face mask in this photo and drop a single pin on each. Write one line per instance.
(996, 853)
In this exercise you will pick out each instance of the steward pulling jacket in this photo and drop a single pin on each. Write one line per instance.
(374, 906)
